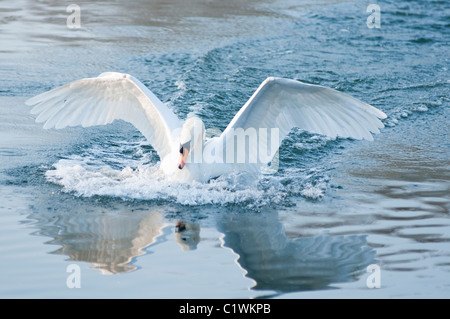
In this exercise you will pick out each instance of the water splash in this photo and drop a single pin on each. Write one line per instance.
(85, 176)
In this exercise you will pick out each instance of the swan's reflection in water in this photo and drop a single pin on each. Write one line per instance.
(110, 242)
(187, 235)
(276, 262)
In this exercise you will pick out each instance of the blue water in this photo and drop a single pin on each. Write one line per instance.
(91, 197)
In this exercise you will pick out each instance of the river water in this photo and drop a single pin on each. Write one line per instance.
(82, 215)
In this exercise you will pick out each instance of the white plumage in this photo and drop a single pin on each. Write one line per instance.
(280, 104)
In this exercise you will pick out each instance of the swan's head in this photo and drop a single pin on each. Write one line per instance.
(184, 152)
(187, 235)
(191, 140)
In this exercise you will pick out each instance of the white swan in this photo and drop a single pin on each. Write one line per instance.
(275, 108)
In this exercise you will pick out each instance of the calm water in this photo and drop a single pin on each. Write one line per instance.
(88, 197)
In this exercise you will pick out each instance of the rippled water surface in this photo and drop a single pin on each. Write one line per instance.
(92, 197)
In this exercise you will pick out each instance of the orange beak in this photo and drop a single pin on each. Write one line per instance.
(183, 157)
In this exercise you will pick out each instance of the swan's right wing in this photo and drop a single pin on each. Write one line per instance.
(286, 103)
(279, 105)
(101, 100)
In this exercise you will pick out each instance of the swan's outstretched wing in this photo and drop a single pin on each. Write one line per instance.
(285, 104)
(101, 100)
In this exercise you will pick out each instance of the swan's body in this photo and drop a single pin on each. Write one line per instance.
(275, 108)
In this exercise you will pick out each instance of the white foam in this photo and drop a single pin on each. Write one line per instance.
(312, 192)
(422, 108)
(147, 182)
(128, 172)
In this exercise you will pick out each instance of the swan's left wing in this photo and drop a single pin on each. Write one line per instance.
(283, 104)
(103, 99)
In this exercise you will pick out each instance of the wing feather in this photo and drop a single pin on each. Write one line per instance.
(101, 100)
(285, 104)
